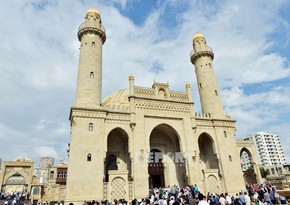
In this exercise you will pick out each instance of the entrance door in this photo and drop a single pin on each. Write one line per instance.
(156, 174)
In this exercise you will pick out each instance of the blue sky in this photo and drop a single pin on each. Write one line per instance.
(151, 39)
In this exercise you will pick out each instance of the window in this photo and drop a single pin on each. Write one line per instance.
(161, 94)
(36, 190)
(91, 127)
(225, 133)
(92, 75)
(89, 157)
(216, 93)
(61, 175)
(230, 158)
(93, 44)
(200, 85)
(272, 171)
(51, 174)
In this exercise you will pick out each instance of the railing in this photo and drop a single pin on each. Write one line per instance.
(201, 49)
(91, 25)
(203, 115)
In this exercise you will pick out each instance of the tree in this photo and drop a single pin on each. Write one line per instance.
(264, 173)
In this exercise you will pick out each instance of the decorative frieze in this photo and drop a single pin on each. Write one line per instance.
(204, 123)
(144, 92)
(158, 107)
(221, 123)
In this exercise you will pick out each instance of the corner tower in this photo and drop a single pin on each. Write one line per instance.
(92, 36)
(202, 57)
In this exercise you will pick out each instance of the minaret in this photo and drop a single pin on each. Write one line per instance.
(92, 36)
(202, 57)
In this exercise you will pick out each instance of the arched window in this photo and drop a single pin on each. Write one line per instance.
(200, 85)
(230, 158)
(161, 94)
(93, 44)
(92, 75)
(216, 93)
(89, 157)
(91, 127)
(225, 133)
(36, 190)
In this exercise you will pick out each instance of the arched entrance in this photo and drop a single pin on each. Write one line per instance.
(117, 173)
(207, 153)
(209, 164)
(117, 157)
(15, 183)
(166, 162)
(248, 166)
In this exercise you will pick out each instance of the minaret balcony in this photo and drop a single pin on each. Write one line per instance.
(86, 27)
(201, 51)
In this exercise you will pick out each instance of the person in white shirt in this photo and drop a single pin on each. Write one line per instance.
(222, 199)
(202, 199)
(162, 201)
(228, 198)
(247, 199)
(172, 200)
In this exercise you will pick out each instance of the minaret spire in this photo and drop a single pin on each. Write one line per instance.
(202, 57)
(92, 36)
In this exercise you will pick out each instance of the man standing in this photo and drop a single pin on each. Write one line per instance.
(228, 199)
(222, 199)
(242, 198)
(247, 199)
(202, 199)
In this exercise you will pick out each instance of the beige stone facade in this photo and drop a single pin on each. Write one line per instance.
(111, 140)
(16, 176)
(51, 189)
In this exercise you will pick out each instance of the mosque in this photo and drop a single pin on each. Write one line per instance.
(143, 137)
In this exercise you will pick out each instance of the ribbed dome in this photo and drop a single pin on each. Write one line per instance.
(93, 10)
(119, 97)
(197, 35)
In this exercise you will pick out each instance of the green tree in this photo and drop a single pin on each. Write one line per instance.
(263, 172)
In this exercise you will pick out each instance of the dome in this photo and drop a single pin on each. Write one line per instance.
(93, 10)
(119, 97)
(197, 35)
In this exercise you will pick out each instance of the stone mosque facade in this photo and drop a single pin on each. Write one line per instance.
(143, 137)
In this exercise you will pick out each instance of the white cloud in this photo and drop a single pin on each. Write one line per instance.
(45, 151)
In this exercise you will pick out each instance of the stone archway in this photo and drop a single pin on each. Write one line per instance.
(248, 166)
(16, 182)
(166, 140)
(207, 152)
(117, 157)
(209, 164)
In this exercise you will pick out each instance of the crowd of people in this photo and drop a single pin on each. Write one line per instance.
(259, 194)
(13, 195)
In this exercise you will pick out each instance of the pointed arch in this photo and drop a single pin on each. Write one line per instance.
(169, 161)
(168, 130)
(207, 151)
(117, 156)
(246, 159)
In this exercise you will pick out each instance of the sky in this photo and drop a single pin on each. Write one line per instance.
(151, 39)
